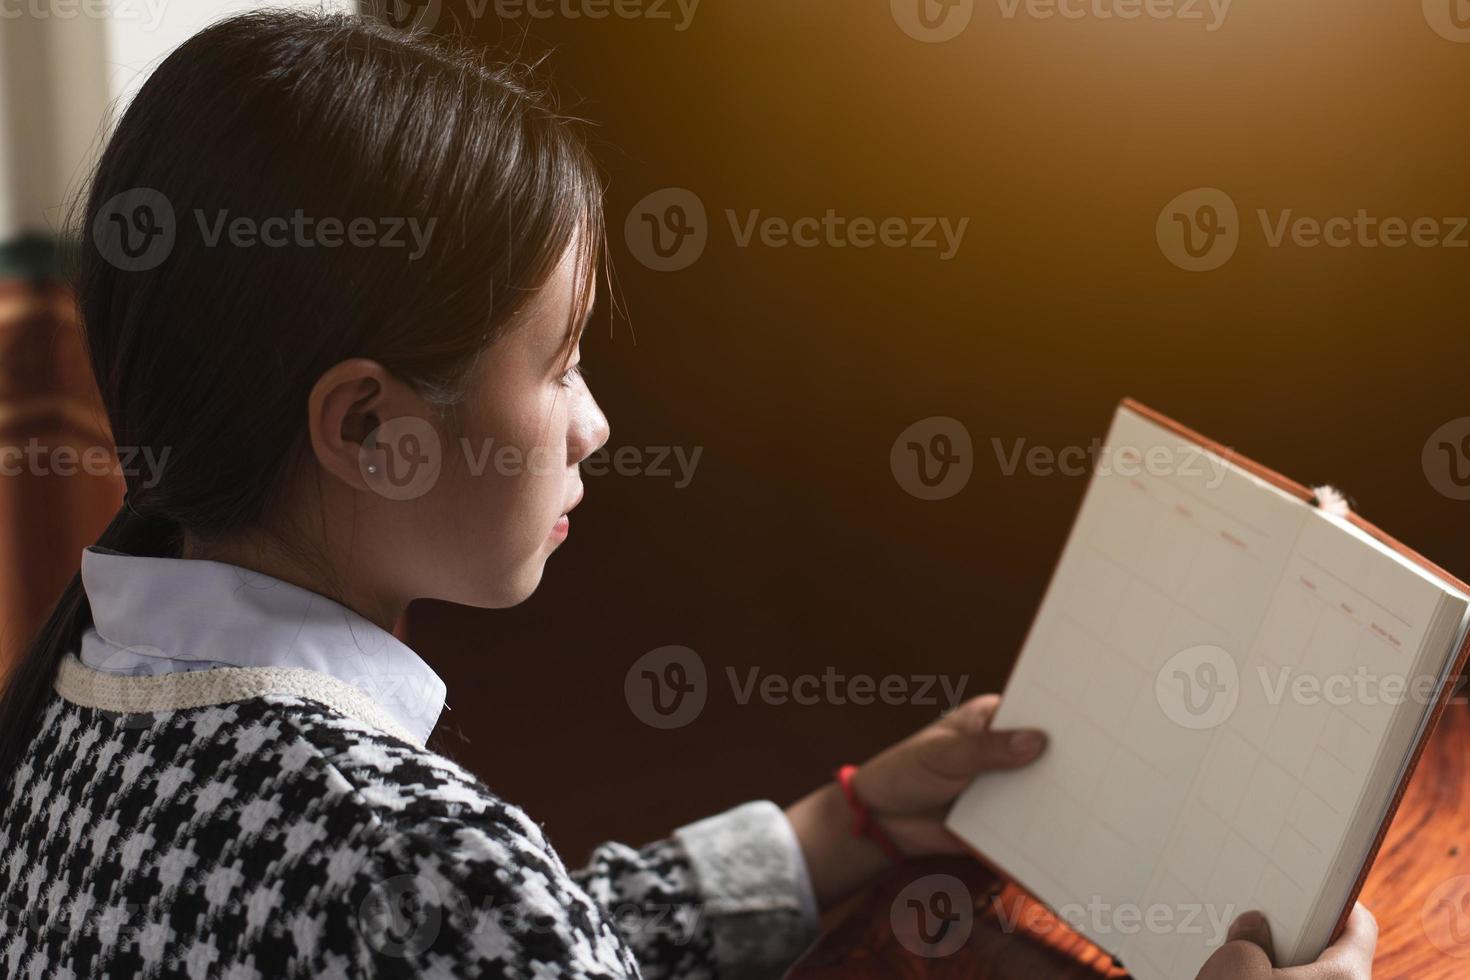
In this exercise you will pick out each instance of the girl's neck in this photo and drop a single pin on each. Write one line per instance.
(294, 566)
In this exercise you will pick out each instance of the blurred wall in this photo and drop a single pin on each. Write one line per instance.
(67, 70)
(793, 370)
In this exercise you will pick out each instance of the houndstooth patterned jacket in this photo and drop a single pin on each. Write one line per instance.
(255, 823)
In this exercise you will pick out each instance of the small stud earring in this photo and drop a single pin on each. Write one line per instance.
(372, 468)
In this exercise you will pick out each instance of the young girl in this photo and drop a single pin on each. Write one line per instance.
(315, 255)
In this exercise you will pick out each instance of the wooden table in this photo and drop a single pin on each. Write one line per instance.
(1419, 890)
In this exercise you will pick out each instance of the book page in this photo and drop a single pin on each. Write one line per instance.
(1196, 661)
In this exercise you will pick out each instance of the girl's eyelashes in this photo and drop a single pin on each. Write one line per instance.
(572, 374)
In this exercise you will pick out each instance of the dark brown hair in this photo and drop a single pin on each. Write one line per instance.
(211, 353)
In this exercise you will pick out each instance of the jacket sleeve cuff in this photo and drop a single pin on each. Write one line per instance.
(756, 890)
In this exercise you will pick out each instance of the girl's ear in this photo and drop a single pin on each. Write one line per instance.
(348, 407)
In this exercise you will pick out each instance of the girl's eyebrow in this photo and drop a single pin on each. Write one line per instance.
(581, 329)
(564, 352)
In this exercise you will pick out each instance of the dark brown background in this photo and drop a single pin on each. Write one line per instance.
(794, 548)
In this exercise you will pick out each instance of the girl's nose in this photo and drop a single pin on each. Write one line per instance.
(590, 432)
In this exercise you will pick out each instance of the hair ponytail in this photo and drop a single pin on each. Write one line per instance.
(29, 684)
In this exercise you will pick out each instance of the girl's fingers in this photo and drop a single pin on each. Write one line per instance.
(1246, 953)
(1237, 960)
(926, 770)
(1350, 958)
(1353, 951)
(1022, 745)
(966, 745)
(1253, 928)
(973, 717)
(993, 750)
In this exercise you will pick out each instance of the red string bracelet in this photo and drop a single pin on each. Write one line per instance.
(863, 824)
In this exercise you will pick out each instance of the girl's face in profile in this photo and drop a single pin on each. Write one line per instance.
(510, 476)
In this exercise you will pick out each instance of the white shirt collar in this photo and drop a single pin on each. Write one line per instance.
(163, 615)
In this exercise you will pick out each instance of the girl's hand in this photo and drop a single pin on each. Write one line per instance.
(907, 788)
(1246, 954)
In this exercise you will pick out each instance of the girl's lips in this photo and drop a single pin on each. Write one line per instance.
(563, 524)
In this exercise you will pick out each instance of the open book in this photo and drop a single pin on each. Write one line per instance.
(1237, 683)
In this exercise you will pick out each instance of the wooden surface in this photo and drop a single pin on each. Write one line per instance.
(1419, 890)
